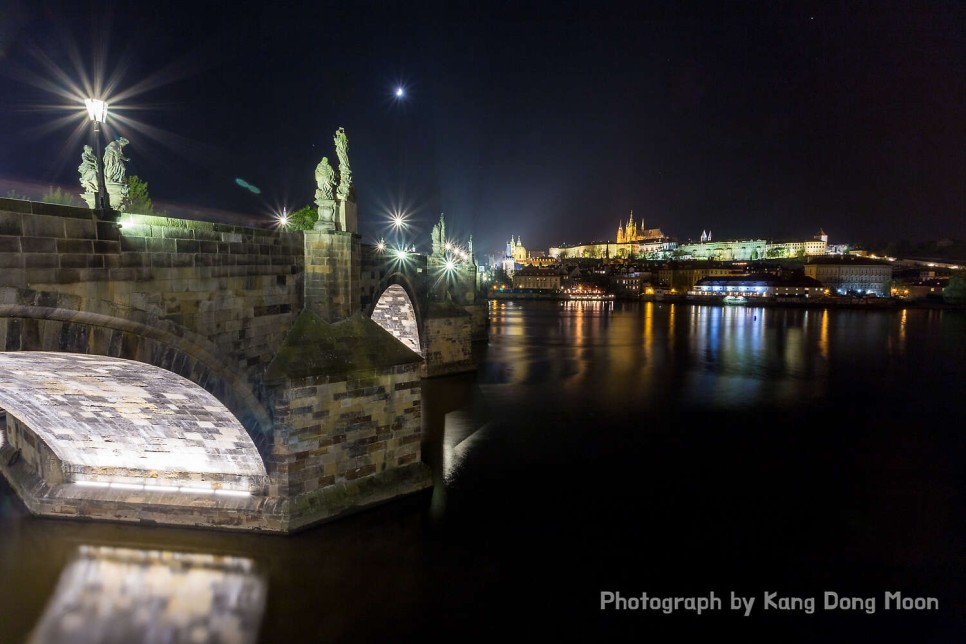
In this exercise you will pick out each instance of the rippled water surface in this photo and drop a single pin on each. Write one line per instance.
(668, 449)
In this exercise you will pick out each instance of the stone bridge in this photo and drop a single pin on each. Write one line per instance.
(196, 373)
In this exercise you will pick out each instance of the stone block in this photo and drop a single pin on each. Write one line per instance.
(43, 226)
(11, 224)
(132, 244)
(41, 260)
(81, 261)
(38, 245)
(107, 246)
(11, 260)
(75, 246)
(80, 228)
(108, 230)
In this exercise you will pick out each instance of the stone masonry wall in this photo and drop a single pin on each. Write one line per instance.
(332, 274)
(240, 287)
(449, 345)
(33, 451)
(332, 433)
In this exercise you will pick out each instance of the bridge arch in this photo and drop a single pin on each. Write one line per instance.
(59, 323)
(397, 309)
(109, 422)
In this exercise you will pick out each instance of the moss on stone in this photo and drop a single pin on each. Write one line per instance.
(445, 309)
(314, 347)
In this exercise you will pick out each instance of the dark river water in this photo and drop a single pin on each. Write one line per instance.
(627, 448)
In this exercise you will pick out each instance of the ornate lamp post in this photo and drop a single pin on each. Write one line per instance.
(97, 109)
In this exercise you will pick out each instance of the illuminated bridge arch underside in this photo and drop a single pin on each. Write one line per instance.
(112, 424)
(394, 311)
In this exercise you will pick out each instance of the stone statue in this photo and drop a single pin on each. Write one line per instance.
(345, 173)
(325, 179)
(88, 170)
(114, 161)
(439, 237)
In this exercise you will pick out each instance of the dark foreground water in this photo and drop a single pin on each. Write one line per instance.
(668, 449)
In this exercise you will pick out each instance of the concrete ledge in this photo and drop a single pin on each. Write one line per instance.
(349, 497)
(448, 368)
(213, 511)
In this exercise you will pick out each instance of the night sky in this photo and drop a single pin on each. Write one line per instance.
(545, 120)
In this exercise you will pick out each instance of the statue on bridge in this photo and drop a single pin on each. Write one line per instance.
(114, 159)
(345, 173)
(438, 238)
(114, 173)
(88, 170)
(325, 181)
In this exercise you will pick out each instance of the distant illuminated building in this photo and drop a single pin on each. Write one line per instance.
(536, 277)
(633, 242)
(851, 275)
(629, 232)
(516, 256)
(752, 286)
(752, 249)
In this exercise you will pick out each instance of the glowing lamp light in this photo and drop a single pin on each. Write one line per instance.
(398, 221)
(400, 92)
(282, 218)
(401, 254)
(381, 246)
(96, 109)
(450, 265)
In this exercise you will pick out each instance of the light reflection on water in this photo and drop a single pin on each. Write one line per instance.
(109, 594)
(725, 356)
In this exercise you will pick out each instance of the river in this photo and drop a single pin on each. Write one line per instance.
(668, 449)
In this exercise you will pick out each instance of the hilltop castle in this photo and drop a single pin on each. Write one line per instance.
(630, 233)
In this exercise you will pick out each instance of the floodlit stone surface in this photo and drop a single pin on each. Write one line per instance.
(119, 421)
(395, 313)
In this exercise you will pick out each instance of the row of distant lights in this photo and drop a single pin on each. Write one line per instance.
(140, 487)
(399, 223)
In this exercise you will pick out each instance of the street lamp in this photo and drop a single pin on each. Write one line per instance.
(97, 110)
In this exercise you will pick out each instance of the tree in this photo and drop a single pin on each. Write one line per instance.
(58, 196)
(138, 199)
(955, 291)
(303, 218)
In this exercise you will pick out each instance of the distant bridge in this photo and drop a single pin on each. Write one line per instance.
(279, 334)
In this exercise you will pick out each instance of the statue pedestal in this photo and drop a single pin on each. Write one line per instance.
(117, 195)
(331, 285)
(326, 221)
(348, 218)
